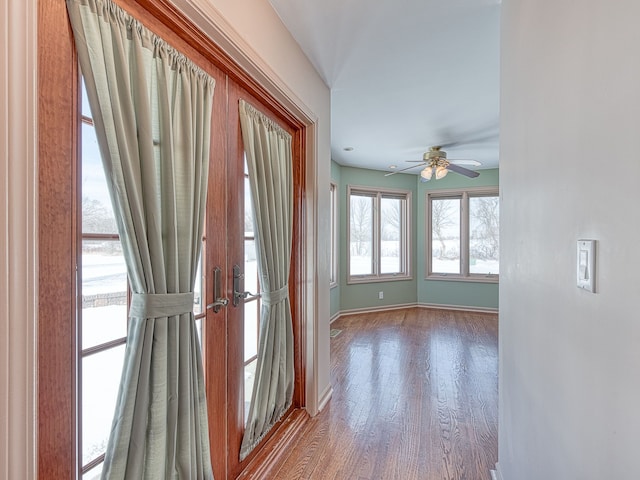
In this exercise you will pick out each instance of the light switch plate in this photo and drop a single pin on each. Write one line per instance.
(586, 265)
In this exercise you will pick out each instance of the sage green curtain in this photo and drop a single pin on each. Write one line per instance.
(269, 161)
(152, 112)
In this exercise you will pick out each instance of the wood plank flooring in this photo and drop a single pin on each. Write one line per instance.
(415, 397)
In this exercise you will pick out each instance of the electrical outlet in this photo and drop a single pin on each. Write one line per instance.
(380, 295)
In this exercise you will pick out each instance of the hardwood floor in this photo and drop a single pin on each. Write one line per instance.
(415, 397)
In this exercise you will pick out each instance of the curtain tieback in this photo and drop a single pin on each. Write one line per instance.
(155, 305)
(271, 298)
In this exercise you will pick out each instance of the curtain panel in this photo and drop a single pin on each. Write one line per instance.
(270, 166)
(152, 112)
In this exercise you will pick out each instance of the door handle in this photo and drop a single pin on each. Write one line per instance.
(219, 301)
(237, 294)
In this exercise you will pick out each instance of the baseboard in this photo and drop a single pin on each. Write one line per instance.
(325, 397)
(383, 308)
(434, 306)
(460, 308)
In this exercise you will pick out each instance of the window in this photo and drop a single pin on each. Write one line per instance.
(378, 234)
(102, 312)
(463, 235)
(333, 212)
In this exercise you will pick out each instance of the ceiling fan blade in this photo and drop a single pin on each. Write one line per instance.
(462, 171)
(402, 170)
(473, 163)
(454, 137)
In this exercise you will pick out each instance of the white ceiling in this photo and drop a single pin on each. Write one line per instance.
(404, 75)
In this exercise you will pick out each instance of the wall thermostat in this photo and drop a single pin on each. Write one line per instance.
(586, 263)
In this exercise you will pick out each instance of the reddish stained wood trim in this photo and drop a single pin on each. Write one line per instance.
(298, 274)
(169, 15)
(57, 140)
(234, 254)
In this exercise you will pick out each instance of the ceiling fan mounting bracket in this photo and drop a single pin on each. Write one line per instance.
(434, 154)
(434, 161)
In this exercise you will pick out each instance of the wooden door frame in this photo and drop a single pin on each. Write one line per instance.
(57, 233)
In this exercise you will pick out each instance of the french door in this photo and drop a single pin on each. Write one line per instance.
(228, 335)
(230, 330)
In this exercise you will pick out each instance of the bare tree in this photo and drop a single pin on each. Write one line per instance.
(441, 218)
(391, 218)
(97, 217)
(360, 220)
(486, 227)
(248, 221)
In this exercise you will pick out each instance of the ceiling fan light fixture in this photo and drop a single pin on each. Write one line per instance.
(441, 172)
(427, 173)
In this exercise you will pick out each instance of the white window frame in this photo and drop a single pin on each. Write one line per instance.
(405, 241)
(463, 195)
(333, 201)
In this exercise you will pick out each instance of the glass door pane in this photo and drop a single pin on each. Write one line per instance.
(100, 383)
(252, 303)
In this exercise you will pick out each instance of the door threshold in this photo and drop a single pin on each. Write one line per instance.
(276, 449)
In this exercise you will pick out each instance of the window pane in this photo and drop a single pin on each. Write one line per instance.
(361, 234)
(391, 235)
(198, 322)
(251, 306)
(251, 323)
(249, 377)
(250, 267)
(104, 292)
(484, 235)
(97, 212)
(100, 382)
(86, 110)
(248, 210)
(445, 235)
(197, 289)
(94, 473)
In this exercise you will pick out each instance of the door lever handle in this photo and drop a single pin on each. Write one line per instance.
(237, 294)
(219, 301)
(246, 294)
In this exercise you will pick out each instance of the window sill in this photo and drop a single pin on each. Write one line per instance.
(469, 279)
(394, 278)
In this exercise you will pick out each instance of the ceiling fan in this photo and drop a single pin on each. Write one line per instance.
(435, 163)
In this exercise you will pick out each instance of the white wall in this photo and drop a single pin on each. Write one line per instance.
(569, 169)
(18, 277)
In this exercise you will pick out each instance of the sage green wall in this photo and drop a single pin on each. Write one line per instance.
(439, 292)
(366, 295)
(418, 290)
